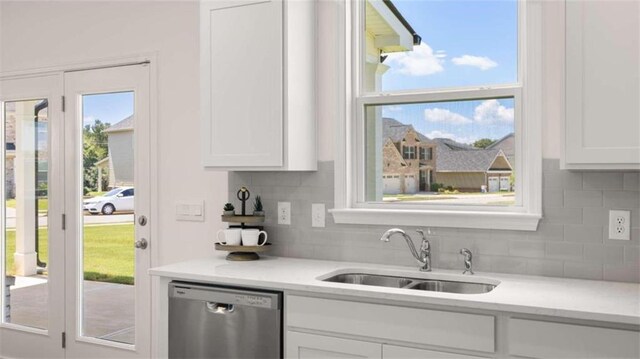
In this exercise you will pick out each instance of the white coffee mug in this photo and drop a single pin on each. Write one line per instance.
(231, 236)
(251, 237)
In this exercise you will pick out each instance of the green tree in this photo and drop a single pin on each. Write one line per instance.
(483, 143)
(94, 148)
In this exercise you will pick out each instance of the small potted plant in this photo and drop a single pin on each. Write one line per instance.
(258, 210)
(229, 210)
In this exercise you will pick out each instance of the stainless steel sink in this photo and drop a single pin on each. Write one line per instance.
(452, 287)
(370, 279)
(434, 285)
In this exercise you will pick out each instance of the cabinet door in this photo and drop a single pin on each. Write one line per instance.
(311, 346)
(603, 85)
(396, 352)
(241, 44)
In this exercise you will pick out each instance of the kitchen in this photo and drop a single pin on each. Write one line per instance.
(323, 158)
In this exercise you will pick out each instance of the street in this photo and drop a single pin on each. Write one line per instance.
(88, 219)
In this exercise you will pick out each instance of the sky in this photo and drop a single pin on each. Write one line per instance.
(108, 108)
(464, 43)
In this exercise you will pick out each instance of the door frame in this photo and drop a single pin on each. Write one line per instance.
(152, 59)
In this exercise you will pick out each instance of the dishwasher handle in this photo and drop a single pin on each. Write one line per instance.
(220, 308)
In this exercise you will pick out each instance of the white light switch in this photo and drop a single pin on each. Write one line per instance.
(317, 215)
(190, 211)
(284, 212)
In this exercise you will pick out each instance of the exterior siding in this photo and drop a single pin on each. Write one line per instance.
(121, 157)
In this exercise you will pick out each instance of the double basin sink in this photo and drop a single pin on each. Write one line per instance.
(433, 285)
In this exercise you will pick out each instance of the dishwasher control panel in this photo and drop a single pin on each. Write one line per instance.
(253, 300)
(226, 296)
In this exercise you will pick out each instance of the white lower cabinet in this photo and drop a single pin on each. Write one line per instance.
(539, 339)
(342, 328)
(397, 352)
(311, 346)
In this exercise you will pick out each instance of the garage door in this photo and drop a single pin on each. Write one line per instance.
(411, 184)
(391, 184)
(504, 184)
(494, 184)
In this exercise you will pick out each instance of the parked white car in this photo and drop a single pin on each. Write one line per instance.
(118, 199)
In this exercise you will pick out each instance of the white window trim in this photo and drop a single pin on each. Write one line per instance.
(349, 207)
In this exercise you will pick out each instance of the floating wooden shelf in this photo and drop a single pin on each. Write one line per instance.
(243, 219)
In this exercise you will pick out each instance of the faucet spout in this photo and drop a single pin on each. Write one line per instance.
(424, 256)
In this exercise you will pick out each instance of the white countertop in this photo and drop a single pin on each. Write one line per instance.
(568, 298)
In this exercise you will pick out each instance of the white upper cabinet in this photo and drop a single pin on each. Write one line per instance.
(602, 129)
(257, 84)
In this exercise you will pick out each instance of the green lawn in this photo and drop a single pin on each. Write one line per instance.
(108, 252)
(43, 204)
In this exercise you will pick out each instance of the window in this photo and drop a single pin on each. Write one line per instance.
(426, 153)
(409, 152)
(443, 82)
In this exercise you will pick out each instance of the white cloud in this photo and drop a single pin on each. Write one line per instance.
(491, 111)
(481, 62)
(444, 115)
(422, 61)
(451, 136)
(89, 120)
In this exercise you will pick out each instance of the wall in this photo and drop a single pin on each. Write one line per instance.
(571, 240)
(36, 35)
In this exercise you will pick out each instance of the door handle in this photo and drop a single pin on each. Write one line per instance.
(141, 243)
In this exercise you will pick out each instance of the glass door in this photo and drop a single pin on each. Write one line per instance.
(108, 288)
(31, 237)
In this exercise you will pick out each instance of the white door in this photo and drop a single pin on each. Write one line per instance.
(107, 291)
(31, 236)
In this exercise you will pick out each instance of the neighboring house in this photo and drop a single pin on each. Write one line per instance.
(408, 160)
(469, 169)
(119, 160)
(411, 162)
(508, 145)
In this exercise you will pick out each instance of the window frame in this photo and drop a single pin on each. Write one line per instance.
(350, 206)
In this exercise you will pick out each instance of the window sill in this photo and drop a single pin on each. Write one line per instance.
(457, 219)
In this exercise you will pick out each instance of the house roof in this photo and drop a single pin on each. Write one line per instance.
(397, 131)
(466, 161)
(124, 125)
(416, 38)
(501, 142)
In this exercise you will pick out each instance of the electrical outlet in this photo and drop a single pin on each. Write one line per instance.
(619, 225)
(284, 212)
(317, 215)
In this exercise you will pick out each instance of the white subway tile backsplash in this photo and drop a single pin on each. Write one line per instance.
(621, 199)
(582, 270)
(530, 249)
(571, 240)
(580, 199)
(602, 180)
(582, 233)
(603, 254)
(631, 182)
(564, 250)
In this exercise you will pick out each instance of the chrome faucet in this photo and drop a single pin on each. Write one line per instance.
(468, 264)
(424, 257)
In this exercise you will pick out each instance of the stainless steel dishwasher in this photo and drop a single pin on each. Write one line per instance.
(220, 322)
